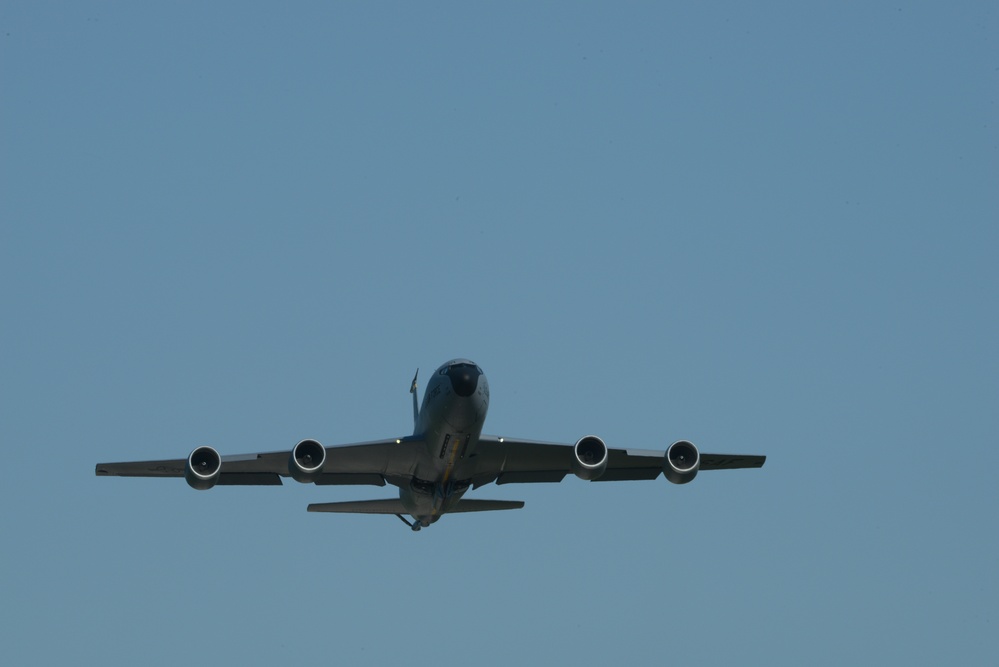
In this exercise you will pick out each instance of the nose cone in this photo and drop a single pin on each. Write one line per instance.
(464, 378)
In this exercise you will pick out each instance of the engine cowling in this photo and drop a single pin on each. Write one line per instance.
(681, 462)
(203, 468)
(306, 462)
(589, 457)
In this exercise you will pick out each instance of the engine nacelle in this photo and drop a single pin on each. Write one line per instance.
(203, 468)
(681, 462)
(306, 462)
(589, 457)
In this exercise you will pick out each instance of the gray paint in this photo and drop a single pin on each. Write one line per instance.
(446, 455)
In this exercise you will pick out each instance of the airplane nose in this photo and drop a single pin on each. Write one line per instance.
(464, 379)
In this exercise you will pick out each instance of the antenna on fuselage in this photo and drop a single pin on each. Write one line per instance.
(416, 405)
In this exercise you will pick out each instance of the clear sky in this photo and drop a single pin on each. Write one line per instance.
(766, 228)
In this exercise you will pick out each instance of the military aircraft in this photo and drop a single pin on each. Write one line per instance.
(445, 456)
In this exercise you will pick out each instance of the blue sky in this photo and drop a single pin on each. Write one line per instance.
(767, 229)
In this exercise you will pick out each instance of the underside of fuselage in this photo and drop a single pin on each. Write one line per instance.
(426, 502)
(450, 421)
(449, 425)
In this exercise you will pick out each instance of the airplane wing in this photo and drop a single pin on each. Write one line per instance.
(357, 463)
(510, 460)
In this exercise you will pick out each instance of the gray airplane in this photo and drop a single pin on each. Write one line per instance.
(446, 455)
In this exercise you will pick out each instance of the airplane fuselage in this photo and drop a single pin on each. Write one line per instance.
(450, 422)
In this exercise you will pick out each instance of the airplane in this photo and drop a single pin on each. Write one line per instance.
(446, 455)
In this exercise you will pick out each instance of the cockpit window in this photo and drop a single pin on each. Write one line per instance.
(460, 365)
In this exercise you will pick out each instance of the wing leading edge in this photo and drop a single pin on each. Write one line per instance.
(511, 460)
(372, 463)
(375, 463)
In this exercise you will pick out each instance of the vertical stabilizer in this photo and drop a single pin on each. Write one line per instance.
(416, 404)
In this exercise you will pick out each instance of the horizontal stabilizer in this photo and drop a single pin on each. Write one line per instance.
(394, 506)
(387, 506)
(486, 505)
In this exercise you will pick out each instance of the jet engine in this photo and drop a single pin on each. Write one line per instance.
(203, 468)
(589, 457)
(681, 462)
(306, 462)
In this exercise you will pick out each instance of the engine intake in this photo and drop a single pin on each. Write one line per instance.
(306, 462)
(681, 462)
(203, 468)
(589, 457)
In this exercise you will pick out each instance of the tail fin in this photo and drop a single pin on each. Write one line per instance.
(416, 405)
